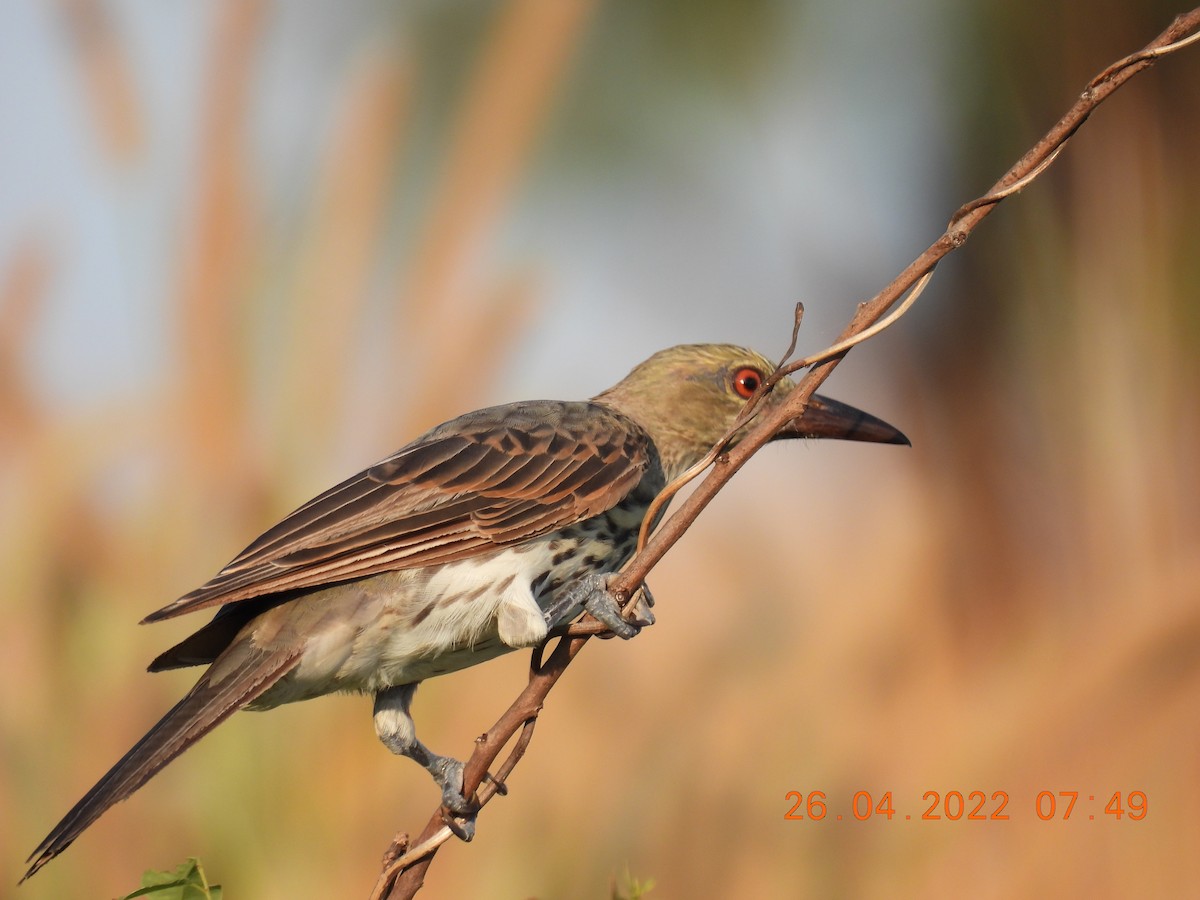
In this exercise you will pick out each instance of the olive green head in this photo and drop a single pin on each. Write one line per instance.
(687, 397)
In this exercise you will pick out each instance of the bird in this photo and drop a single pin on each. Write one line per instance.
(484, 535)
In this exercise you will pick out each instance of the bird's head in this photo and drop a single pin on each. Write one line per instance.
(687, 397)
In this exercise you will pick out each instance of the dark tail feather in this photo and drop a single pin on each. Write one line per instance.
(242, 674)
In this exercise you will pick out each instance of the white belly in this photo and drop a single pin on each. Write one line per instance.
(406, 626)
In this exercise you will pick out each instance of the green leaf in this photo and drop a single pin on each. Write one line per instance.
(187, 882)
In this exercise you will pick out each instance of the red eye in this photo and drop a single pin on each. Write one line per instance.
(746, 382)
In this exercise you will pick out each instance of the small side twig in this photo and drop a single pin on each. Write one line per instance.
(403, 876)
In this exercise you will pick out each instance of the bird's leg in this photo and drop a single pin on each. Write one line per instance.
(591, 593)
(395, 727)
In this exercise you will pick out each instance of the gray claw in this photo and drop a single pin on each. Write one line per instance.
(463, 827)
(642, 601)
(647, 597)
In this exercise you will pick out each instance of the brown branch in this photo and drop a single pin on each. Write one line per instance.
(962, 223)
(403, 876)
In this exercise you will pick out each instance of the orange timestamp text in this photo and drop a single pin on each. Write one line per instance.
(971, 806)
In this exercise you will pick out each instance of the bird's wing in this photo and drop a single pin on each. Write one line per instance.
(490, 478)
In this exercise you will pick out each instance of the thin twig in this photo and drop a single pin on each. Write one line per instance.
(840, 348)
(404, 876)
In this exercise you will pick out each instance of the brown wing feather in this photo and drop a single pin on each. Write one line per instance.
(487, 479)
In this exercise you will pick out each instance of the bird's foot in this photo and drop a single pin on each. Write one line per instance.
(459, 810)
(448, 773)
(637, 613)
(590, 593)
(604, 606)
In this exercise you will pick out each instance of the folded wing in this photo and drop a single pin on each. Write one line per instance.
(492, 478)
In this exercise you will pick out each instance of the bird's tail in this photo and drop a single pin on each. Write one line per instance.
(237, 678)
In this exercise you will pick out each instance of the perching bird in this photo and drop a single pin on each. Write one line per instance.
(479, 537)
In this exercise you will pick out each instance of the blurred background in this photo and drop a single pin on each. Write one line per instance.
(247, 248)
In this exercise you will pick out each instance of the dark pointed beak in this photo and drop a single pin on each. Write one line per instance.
(826, 418)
